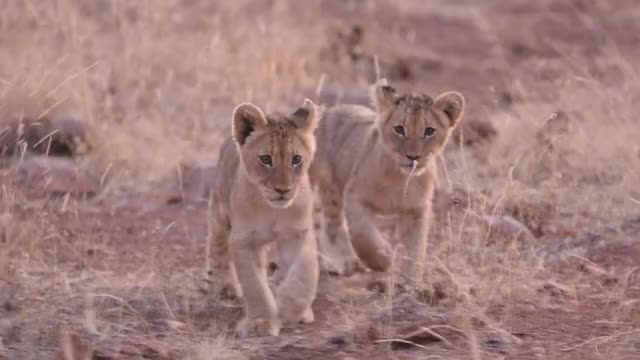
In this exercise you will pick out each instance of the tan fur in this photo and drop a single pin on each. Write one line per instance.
(362, 169)
(250, 215)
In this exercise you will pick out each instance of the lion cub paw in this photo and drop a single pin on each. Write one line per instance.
(224, 289)
(257, 327)
(307, 316)
(230, 290)
(341, 266)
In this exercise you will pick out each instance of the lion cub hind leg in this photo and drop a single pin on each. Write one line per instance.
(261, 311)
(336, 254)
(298, 289)
(230, 287)
(257, 327)
(225, 278)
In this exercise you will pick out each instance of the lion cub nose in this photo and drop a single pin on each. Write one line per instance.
(282, 191)
(413, 157)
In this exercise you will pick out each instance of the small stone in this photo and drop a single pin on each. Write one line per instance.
(495, 345)
(8, 293)
(339, 340)
(377, 286)
(51, 136)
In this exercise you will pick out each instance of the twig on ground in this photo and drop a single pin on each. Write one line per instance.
(599, 340)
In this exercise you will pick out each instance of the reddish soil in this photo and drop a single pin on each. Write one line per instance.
(123, 271)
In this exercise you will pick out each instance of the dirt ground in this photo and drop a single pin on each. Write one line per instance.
(535, 248)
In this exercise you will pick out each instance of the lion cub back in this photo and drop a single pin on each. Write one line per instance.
(342, 135)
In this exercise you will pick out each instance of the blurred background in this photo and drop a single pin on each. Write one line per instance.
(132, 99)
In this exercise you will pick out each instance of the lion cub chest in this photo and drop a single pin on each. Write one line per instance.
(393, 196)
(264, 224)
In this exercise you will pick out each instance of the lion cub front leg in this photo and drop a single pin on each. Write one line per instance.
(261, 311)
(297, 291)
(226, 281)
(413, 230)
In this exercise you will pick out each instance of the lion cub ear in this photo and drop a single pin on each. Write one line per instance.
(383, 96)
(247, 118)
(306, 117)
(451, 104)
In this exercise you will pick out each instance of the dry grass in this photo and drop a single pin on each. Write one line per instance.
(155, 82)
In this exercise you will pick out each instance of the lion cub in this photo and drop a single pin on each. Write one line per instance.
(381, 163)
(262, 196)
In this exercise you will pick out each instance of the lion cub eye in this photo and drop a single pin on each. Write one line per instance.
(266, 160)
(399, 130)
(428, 132)
(296, 160)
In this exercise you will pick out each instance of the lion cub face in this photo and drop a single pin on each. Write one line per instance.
(415, 127)
(276, 150)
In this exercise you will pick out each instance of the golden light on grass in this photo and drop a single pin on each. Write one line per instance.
(155, 83)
